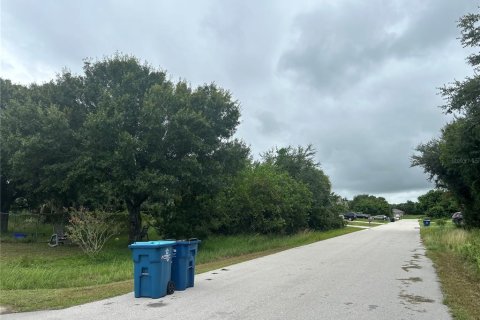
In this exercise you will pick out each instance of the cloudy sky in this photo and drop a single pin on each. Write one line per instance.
(357, 79)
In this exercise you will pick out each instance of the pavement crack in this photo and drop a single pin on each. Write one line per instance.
(372, 307)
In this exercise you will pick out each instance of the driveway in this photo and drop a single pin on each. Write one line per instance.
(377, 273)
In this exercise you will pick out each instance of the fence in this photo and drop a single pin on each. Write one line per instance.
(25, 226)
(34, 227)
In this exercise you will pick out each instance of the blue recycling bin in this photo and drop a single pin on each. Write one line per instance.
(152, 268)
(183, 267)
(426, 222)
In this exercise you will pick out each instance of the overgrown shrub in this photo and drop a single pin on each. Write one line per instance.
(264, 200)
(91, 230)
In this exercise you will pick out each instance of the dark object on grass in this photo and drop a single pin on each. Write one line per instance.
(59, 236)
(457, 218)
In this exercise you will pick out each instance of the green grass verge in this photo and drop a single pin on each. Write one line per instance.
(413, 216)
(456, 255)
(37, 277)
(366, 224)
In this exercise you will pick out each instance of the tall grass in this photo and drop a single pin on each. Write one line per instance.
(35, 276)
(466, 243)
(456, 254)
(221, 247)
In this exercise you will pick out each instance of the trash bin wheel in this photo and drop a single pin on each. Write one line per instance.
(170, 287)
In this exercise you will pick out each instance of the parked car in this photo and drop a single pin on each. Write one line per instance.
(362, 215)
(350, 216)
(457, 218)
(380, 217)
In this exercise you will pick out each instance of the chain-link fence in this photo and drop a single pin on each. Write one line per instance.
(28, 226)
(24, 226)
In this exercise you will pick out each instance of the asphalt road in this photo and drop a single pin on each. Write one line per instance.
(378, 273)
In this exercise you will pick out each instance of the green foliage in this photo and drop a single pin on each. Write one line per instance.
(438, 203)
(120, 135)
(409, 207)
(453, 160)
(300, 164)
(371, 205)
(265, 200)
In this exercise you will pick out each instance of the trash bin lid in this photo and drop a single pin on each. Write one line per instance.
(151, 244)
(189, 241)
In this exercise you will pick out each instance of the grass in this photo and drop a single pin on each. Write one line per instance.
(456, 255)
(375, 223)
(413, 216)
(37, 277)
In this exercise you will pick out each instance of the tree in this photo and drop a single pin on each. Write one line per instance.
(370, 205)
(8, 189)
(39, 148)
(150, 138)
(408, 207)
(122, 133)
(438, 203)
(300, 164)
(263, 199)
(453, 160)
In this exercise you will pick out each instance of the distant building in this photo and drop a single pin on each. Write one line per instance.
(399, 212)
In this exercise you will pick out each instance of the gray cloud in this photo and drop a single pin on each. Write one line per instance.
(355, 79)
(343, 42)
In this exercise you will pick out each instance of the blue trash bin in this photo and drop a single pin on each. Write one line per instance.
(426, 222)
(183, 267)
(152, 268)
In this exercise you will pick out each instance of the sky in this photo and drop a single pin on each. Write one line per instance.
(356, 79)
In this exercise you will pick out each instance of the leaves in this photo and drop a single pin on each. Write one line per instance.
(453, 160)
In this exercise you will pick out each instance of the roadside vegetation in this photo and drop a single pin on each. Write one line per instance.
(37, 277)
(456, 255)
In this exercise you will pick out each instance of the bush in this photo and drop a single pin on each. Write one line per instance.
(91, 230)
(264, 200)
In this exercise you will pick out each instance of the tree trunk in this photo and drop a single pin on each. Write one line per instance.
(4, 222)
(6, 199)
(135, 220)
